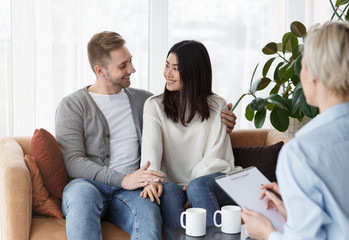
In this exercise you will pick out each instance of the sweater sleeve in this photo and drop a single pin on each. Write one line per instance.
(152, 142)
(70, 136)
(218, 155)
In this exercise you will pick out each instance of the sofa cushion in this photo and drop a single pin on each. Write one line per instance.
(49, 158)
(263, 157)
(43, 203)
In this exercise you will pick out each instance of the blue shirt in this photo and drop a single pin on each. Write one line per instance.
(313, 175)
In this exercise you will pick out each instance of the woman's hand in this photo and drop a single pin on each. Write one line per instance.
(153, 191)
(272, 200)
(187, 204)
(141, 178)
(256, 224)
(228, 118)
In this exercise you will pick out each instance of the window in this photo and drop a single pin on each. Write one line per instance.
(46, 54)
(234, 32)
(43, 54)
(5, 67)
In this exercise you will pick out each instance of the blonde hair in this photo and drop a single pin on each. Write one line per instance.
(100, 45)
(326, 55)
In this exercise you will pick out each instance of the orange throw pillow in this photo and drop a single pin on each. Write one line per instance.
(49, 158)
(43, 203)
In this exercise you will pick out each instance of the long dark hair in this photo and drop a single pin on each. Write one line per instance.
(196, 75)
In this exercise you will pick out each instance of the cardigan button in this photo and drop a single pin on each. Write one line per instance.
(108, 135)
(107, 156)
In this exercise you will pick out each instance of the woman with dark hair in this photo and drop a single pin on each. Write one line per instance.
(184, 137)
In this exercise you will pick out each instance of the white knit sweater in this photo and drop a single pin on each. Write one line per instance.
(186, 152)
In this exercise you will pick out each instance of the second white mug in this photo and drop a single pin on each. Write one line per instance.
(195, 222)
(230, 219)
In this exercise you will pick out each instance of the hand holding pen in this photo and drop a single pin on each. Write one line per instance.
(274, 199)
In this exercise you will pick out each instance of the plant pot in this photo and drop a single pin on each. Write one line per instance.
(295, 125)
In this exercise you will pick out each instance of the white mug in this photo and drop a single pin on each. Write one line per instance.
(195, 222)
(231, 219)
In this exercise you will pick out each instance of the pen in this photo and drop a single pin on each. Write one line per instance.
(276, 194)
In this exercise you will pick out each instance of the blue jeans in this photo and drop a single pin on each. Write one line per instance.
(85, 203)
(200, 193)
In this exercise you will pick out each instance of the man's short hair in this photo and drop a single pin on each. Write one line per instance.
(100, 45)
(326, 53)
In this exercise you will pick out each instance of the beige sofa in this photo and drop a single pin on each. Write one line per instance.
(17, 222)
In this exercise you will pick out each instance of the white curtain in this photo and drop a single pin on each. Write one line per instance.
(43, 46)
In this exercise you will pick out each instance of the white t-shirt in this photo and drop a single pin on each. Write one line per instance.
(124, 142)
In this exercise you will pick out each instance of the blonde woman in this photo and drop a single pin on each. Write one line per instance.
(313, 168)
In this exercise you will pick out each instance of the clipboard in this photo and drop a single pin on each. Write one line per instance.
(244, 187)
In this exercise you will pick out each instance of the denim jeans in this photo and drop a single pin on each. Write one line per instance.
(200, 193)
(85, 203)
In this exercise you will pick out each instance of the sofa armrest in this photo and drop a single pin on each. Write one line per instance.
(16, 192)
(256, 137)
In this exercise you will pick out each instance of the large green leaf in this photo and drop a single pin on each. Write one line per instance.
(298, 65)
(257, 104)
(295, 52)
(297, 99)
(279, 119)
(270, 48)
(298, 114)
(249, 113)
(259, 118)
(277, 76)
(307, 109)
(289, 42)
(286, 71)
(293, 42)
(341, 2)
(295, 79)
(255, 85)
(267, 66)
(298, 29)
(264, 83)
(278, 100)
(347, 16)
(275, 89)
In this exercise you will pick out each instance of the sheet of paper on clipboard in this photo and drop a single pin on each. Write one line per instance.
(244, 187)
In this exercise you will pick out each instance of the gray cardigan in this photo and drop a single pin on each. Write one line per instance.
(83, 135)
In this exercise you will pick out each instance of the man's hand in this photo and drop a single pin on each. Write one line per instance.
(153, 191)
(228, 118)
(256, 224)
(272, 200)
(141, 178)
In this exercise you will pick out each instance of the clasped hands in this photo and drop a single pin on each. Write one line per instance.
(141, 178)
(256, 224)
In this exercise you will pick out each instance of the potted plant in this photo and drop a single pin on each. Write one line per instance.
(286, 99)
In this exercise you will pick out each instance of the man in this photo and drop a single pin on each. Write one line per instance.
(99, 130)
(313, 167)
